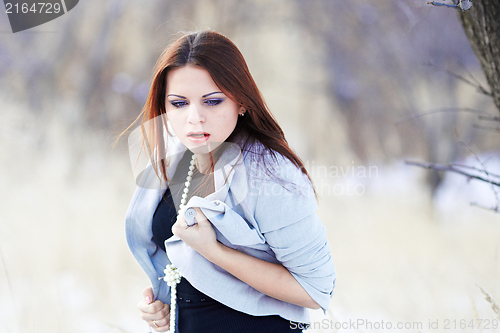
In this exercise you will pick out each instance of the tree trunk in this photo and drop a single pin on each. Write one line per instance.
(482, 27)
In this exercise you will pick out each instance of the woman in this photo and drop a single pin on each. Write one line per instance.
(255, 256)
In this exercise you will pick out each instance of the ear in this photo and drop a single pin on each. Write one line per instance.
(241, 111)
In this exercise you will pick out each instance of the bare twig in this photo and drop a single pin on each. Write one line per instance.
(484, 168)
(435, 3)
(451, 168)
(476, 169)
(442, 110)
(495, 209)
(489, 118)
(473, 82)
(458, 4)
(476, 84)
(490, 300)
(487, 128)
(470, 172)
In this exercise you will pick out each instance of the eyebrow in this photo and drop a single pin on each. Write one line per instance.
(210, 94)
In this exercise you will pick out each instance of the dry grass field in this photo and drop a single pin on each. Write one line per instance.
(400, 261)
(65, 266)
(338, 80)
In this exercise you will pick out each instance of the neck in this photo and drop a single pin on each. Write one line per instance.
(205, 162)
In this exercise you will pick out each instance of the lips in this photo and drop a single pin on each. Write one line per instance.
(198, 137)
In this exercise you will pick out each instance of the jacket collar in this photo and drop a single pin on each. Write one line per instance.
(230, 161)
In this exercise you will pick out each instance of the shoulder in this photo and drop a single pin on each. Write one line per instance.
(270, 168)
(284, 193)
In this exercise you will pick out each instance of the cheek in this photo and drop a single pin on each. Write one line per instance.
(175, 122)
(229, 122)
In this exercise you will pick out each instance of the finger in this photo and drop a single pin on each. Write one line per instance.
(155, 316)
(160, 328)
(179, 226)
(176, 228)
(150, 308)
(148, 295)
(159, 322)
(162, 314)
(200, 217)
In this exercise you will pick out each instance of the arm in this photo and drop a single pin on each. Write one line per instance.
(269, 278)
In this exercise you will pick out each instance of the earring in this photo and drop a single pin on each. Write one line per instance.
(242, 113)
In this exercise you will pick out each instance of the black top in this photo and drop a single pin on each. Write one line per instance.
(198, 312)
(168, 208)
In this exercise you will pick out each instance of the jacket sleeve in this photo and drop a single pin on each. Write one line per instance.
(286, 215)
(139, 234)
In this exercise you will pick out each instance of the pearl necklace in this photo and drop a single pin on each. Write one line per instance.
(172, 273)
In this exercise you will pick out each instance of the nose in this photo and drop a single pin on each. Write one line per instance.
(195, 114)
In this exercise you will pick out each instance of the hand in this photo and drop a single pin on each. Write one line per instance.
(156, 314)
(200, 237)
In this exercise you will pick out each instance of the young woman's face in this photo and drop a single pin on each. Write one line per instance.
(200, 115)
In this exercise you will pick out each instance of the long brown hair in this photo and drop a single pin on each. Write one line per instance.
(227, 67)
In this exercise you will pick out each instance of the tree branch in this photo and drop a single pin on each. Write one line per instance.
(496, 209)
(482, 27)
(473, 82)
(441, 110)
(489, 299)
(489, 118)
(477, 169)
(452, 168)
(435, 3)
(476, 84)
(458, 4)
(486, 128)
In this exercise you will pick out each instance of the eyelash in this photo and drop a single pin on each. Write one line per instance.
(208, 102)
(213, 101)
(178, 104)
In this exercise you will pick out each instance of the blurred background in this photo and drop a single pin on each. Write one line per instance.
(358, 86)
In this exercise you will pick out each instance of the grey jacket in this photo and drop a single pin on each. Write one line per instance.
(267, 214)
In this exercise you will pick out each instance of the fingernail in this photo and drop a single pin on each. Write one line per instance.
(148, 300)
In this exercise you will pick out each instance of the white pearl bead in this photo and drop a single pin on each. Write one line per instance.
(172, 274)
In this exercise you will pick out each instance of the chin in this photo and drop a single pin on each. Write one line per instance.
(204, 148)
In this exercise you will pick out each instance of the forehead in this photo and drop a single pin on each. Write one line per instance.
(190, 80)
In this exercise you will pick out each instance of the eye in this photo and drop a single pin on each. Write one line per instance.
(213, 101)
(178, 104)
